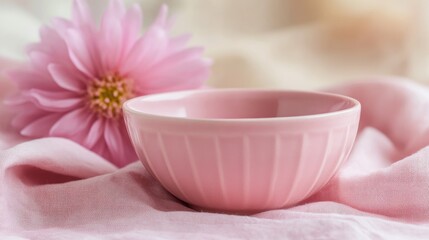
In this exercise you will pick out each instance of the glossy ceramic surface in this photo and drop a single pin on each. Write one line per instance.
(242, 151)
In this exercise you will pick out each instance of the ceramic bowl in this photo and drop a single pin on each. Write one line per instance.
(242, 151)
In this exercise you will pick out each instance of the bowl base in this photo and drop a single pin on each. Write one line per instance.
(230, 212)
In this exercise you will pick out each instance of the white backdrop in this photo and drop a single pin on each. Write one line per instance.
(300, 44)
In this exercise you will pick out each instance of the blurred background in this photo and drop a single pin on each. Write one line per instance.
(296, 44)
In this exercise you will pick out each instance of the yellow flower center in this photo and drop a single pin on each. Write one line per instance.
(107, 94)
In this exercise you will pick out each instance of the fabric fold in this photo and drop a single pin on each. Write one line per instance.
(54, 188)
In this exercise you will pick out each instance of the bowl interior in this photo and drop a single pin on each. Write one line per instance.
(238, 104)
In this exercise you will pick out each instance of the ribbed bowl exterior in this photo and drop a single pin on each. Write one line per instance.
(243, 166)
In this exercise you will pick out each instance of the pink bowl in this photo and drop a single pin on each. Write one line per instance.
(242, 151)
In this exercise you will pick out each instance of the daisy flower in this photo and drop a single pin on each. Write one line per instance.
(81, 72)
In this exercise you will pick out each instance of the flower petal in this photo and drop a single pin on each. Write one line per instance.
(179, 84)
(161, 19)
(111, 43)
(101, 148)
(130, 153)
(40, 61)
(81, 13)
(54, 45)
(26, 113)
(38, 47)
(66, 79)
(54, 101)
(187, 73)
(41, 126)
(115, 9)
(131, 24)
(61, 26)
(180, 56)
(29, 78)
(94, 134)
(182, 70)
(146, 51)
(111, 35)
(114, 142)
(178, 43)
(72, 123)
(15, 100)
(79, 52)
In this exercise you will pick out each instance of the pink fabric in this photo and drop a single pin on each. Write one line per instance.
(53, 188)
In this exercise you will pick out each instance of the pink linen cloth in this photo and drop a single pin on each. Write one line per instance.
(55, 189)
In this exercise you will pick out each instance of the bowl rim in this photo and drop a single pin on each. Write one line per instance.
(355, 107)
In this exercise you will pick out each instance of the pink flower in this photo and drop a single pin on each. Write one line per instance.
(80, 74)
